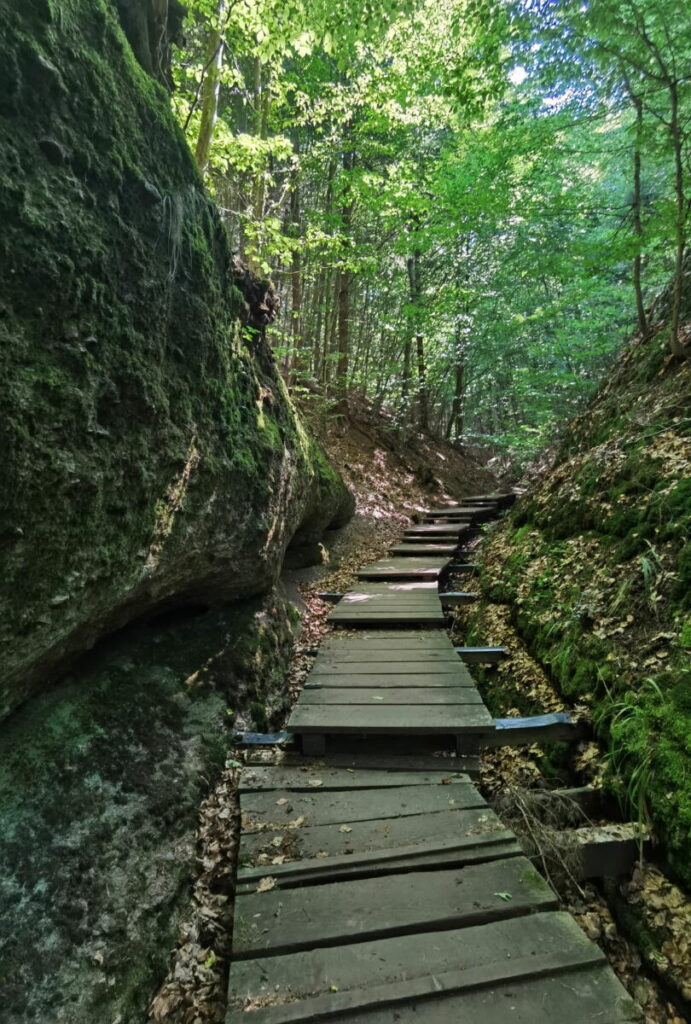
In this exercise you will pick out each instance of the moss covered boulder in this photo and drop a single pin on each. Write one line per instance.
(150, 453)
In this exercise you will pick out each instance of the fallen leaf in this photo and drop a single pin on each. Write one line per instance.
(345, 828)
(506, 896)
(266, 884)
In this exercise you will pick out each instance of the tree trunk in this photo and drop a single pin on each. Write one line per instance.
(210, 92)
(344, 286)
(415, 300)
(637, 220)
(456, 420)
(299, 356)
(679, 219)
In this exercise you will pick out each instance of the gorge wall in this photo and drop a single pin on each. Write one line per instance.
(151, 454)
(154, 473)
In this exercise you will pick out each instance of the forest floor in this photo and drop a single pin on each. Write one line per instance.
(394, 482)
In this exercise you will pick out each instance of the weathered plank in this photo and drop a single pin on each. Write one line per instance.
(375, 602)
(415, 666)
(371, 680)
(482, 655)
(436, 530)
(282, 807)
(415, 550)
(427, 854)
(283, 921)
(309, 983)
(457, 598)
(359, 758)
(367, 695)
(423, 543)
(404, 568)
(585, 995)
(449, 720)
(375, 637)
(511, 732)
(388, 652)
(410, 587)
(402, 617)
(306, 842)
(307, 778)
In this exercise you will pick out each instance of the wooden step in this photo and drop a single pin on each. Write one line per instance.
(286, 920)
(306, 778)
(396, 719)
(481, 972)
(482, 655)
(416, 550)
(403, 568)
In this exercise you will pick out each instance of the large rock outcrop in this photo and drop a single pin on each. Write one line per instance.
(150, 453)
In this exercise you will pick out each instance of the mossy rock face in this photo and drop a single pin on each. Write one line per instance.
(101, 778)
(151, 454)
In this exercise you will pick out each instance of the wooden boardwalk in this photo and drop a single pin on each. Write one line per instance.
(388, 683)
(382, 897)
(375, 888)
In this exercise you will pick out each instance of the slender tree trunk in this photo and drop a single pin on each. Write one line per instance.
(456, 420)
(679, 219)
(299, 360)
(637, 219)
(422, 396)
(344, 288)
(210, 92)
(415, 300)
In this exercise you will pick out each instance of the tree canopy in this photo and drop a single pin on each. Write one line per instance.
(465, 205)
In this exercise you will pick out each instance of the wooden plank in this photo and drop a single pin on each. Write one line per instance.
(318, 842)
(388, 641)
(433, 531)
(307, 778)
(384, 760)
(332, 667)
(404, 568)
(379, 635)
(436, 530)
(409, 563)
(374, 602)
(404, 617)
(409, 695)
(482, 655)
(328, 808)
(510, 732)
(455, 599)
(427, 854)
(568, 993)
(372, 655)
(414, 589)
(283, 921)
(415, 550)
(301, 982)
(445, 721)
(370, 680)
